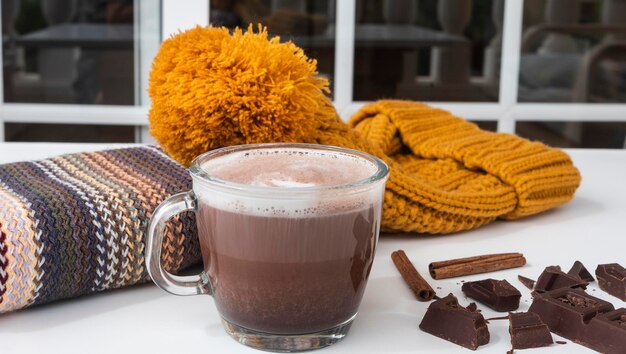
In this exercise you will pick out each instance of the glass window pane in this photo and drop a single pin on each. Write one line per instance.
(607, 135)
(429, 50)
(308, 23)
(488, 125)
(69, 51)
(69, 133)
(573, 51)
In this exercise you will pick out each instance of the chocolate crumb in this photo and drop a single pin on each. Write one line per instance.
(510, 352)
(560, 342)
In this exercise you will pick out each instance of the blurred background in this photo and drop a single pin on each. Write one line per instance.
(548, 70)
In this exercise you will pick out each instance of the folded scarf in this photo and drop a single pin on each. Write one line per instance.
(76, 224)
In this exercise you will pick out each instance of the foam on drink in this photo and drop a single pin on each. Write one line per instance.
(289, 168)
(293, 169)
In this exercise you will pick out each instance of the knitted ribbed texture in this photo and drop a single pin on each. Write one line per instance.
(76, 224)
(447, 175)
(467, 176)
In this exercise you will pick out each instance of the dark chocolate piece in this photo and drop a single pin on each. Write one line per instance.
(472, 307)
(448, 320)
(560, 342)
(612, 279)
(582, 318)
(579, 270)
(500, 295)
(554, 278)
(607, 332)
(527, 282)
(527, 331)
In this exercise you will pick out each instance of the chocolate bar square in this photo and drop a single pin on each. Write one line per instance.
(527, 331)
(448, 320)
(612, 279)
(500, 295)
(554, 278)
(579, 270)
(607, 332)
(567, 311)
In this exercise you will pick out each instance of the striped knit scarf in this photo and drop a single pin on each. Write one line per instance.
(76, 224)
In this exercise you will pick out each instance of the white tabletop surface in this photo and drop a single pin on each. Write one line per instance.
(144, 319)
(86, 35)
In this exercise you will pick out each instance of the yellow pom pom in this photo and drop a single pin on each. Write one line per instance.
(211, 89)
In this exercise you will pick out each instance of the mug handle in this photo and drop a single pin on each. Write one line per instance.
(174, 284)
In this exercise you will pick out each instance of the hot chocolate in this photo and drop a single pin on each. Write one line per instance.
(296, 263)
(289, 168)
(287, 275)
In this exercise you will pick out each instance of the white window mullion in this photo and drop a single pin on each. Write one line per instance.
(570, 112)
(56, 113)
(148, 20)
(179, 15)
(469, 110)
(509, 68)
(147, 42)
(344, 56)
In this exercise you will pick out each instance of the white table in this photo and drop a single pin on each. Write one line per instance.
(145, 319)
(85, 35)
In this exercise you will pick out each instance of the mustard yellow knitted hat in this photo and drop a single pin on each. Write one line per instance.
(210, 88)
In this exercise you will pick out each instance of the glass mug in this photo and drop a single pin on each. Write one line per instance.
(288, 235)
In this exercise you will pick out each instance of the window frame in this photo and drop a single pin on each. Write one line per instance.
(176, 15)
(152, 24)
(508, 110)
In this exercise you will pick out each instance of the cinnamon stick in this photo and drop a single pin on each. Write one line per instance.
(474, 265)
(422, 290)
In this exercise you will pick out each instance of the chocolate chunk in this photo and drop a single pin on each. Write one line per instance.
(500, 295)
(582, 318)
(472, 307)
(579, 270)
(527, 282)
(612, 279)
(554, 278)
(527, 331)
(448, 320)
(607, 332)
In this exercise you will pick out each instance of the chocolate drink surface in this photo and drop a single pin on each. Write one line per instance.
(295, 264)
